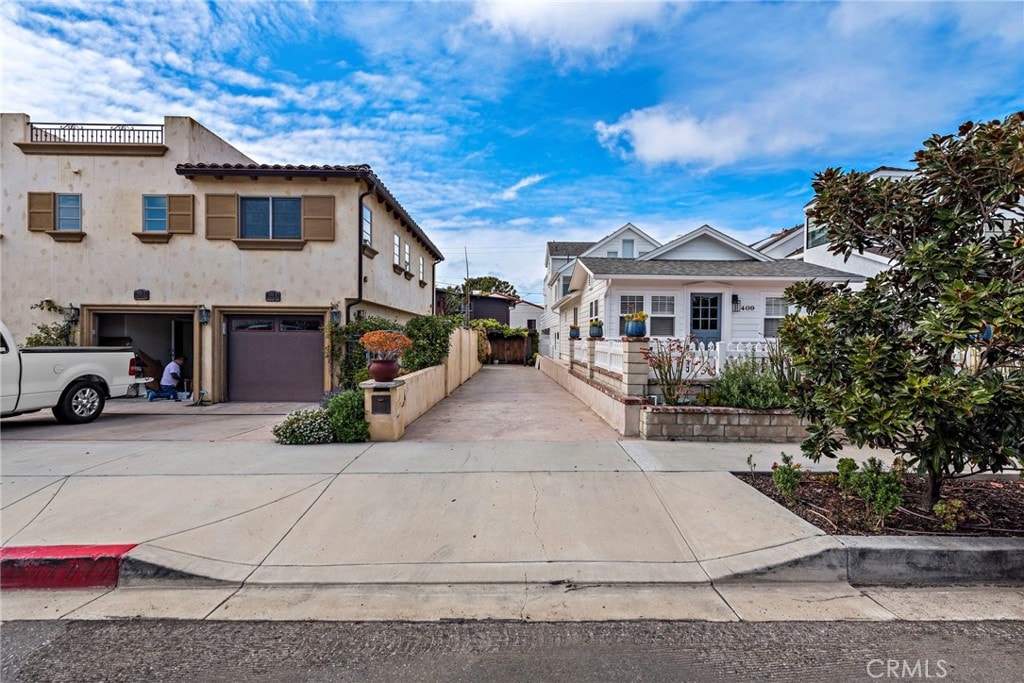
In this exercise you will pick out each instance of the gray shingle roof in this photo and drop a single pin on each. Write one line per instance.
(568, 248)
(785, 268)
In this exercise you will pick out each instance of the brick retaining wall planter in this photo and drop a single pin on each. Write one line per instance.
(713, 423)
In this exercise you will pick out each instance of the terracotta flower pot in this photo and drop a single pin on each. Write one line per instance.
(383, 370)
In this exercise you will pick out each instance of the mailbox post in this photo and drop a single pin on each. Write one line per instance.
(384, 402)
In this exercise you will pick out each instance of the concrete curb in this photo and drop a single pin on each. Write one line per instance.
(61, 566)
(858, 560)
(895, 561)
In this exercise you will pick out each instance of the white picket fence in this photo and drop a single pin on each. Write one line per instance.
(608, 355)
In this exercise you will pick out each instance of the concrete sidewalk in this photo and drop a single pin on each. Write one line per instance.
(427, 530)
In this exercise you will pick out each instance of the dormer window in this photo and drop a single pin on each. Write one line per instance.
(627, 248)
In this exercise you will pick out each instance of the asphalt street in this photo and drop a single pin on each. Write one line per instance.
(510, 651)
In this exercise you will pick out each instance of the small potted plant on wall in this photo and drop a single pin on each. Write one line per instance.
(385, 349)
(636, 324)
(596, 327)
(574, 331)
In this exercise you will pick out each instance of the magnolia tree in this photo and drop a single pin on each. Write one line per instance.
(927, 359)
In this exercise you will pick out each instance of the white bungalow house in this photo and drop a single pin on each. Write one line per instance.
(703, 283)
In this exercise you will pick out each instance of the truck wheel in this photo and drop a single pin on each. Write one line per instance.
(82, 402)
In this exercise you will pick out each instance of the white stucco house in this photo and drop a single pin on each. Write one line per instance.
(166, 238)
(703, 283)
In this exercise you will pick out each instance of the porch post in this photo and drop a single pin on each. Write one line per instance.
(591, 341)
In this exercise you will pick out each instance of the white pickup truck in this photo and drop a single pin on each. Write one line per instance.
(73, 381)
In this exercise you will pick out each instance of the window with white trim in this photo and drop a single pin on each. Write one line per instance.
(270, 218)
(565, 284)
(593, 310)
(408, 258)
(69, 212)
(816, 235)
(613, 254)
(627, 248)
(628, 303)
(775, 309)
(367, 225)
(422, 279)
(398, 250)
(663, 315)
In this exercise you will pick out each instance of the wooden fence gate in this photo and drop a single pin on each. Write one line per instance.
(514, 350)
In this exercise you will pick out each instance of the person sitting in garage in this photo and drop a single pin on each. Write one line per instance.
(169, 381)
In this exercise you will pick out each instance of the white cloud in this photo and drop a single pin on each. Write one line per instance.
(513, 192)
(662, 135)
(569, 29)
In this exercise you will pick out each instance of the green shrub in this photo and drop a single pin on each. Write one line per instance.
(304, 427)
(952, 512)
(881, 491)
(347, 354)
(847, 473)
(748, 383)
(786, 476)
(347, 417)
(431, 339)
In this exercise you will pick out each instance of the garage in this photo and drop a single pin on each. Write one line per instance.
(156, 336)
(275, 358)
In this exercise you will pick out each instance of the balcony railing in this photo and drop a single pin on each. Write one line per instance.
(97, 133)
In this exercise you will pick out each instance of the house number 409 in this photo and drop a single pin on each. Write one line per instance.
(747, 308)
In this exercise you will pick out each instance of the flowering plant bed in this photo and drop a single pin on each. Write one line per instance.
(990, 507)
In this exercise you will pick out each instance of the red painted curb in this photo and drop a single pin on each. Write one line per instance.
(61, 566)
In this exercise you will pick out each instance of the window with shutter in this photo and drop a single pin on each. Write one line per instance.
(41, 214)
(318, 218)
(181, 214)
(221, 216)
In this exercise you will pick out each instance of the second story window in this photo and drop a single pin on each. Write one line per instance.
(154, 213)
(408, 258)
(69, 212)
(422, 278)
(367, 225)
(627, 248)
(565, 284)
(816, 235)
(270, 218)
(398, 250)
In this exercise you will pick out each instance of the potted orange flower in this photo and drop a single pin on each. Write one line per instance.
(385, 347)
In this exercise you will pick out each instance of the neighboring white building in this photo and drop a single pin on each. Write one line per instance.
(525, 314)
(703, 283)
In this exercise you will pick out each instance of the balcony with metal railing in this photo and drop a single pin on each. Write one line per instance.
(103, 139)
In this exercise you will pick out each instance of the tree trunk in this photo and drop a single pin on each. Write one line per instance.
(931, 496)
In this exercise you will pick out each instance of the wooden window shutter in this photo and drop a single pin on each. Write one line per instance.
(180, 218)
(41, 211)
(318, 218)
(221, 216)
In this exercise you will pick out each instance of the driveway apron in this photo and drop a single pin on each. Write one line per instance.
(510, 403)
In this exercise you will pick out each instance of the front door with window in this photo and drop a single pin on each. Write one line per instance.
(706, 317)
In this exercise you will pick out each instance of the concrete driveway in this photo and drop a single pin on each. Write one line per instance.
(136, 419)
(510, 403)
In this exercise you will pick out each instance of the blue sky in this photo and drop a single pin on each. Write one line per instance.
(500, 126)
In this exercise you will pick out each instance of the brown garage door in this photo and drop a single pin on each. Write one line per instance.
(275, 358)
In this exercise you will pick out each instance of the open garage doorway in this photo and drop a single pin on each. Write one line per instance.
(156, 337)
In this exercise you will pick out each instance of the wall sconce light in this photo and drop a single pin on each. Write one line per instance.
(71, 313)
(335, 315)
(735, 303)
(204, 314)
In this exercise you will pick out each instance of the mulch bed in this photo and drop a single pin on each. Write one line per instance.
(996, 506)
